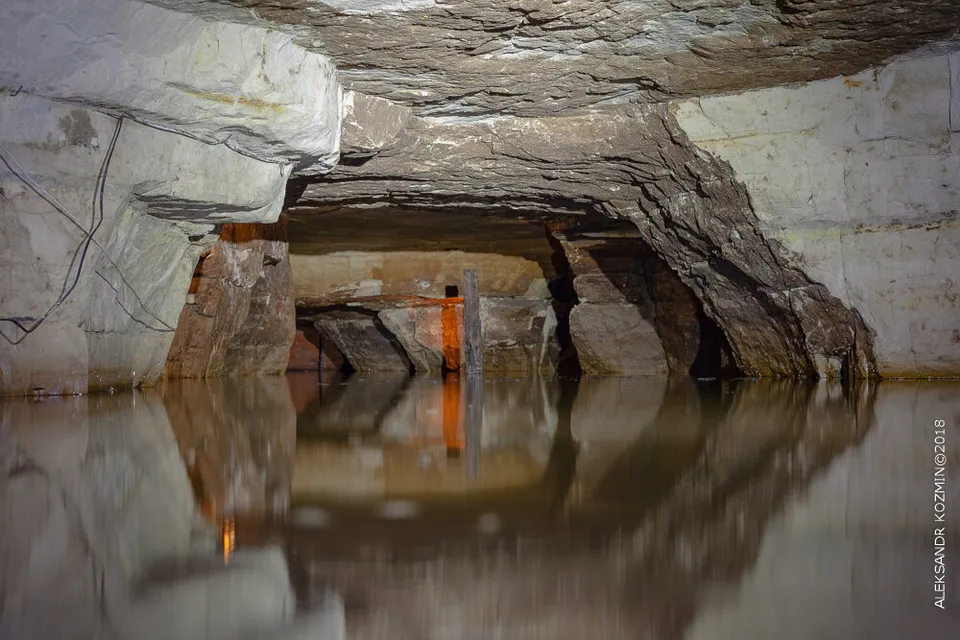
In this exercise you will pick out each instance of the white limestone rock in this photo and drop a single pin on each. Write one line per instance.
(245, 86)
(118, 323)
(859, 177)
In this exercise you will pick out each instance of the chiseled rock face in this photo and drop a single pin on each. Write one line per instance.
(239, 315)
(370, 124)
(304, 355)
(519, 335)
(633, 163)
(613, 273)
(363, 341)
(336, 278)
(859, 178)
(420, 331)
(558, 108)
(615, 338)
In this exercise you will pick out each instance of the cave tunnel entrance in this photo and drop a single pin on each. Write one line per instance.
(377, 289)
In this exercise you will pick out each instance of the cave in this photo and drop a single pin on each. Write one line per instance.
(560, 297)
(469, 319)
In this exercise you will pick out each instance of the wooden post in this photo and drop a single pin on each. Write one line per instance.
(473, 347)
(473, 336)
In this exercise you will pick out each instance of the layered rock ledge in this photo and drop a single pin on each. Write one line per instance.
(127, 131)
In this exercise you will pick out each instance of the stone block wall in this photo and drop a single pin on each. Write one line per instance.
(859, 177)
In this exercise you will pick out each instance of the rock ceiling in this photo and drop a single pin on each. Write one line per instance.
(541, 57)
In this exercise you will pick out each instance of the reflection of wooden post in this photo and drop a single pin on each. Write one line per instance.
(473, 419)
(473, 338)
(451, 413)
(473, 346)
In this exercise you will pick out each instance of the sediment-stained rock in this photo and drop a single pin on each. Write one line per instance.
(304, 354)
(339, 277)
(239, 316)
(614, 273)
(420, 330)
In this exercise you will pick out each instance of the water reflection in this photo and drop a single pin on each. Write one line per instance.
(237, 437)
(612, 508)
(101, 537)
(647, 510)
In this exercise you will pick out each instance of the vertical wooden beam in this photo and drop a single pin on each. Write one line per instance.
(473, 336)
(473, 347)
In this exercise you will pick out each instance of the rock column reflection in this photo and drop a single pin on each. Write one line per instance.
(102, 538)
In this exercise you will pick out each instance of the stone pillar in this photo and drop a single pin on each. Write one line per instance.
(239, 317)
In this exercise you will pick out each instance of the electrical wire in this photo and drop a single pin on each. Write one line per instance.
(29, 325)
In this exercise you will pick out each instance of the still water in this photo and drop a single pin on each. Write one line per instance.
(609, 508)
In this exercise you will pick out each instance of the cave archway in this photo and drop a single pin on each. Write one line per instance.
(687, 206)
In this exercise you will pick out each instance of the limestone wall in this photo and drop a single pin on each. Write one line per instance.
(241, 85)
(211, 129)
(859, 177)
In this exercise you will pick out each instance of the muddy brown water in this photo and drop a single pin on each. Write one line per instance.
(609, 508)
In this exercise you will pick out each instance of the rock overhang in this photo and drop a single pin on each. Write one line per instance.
(247, 87)
(547, 57)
